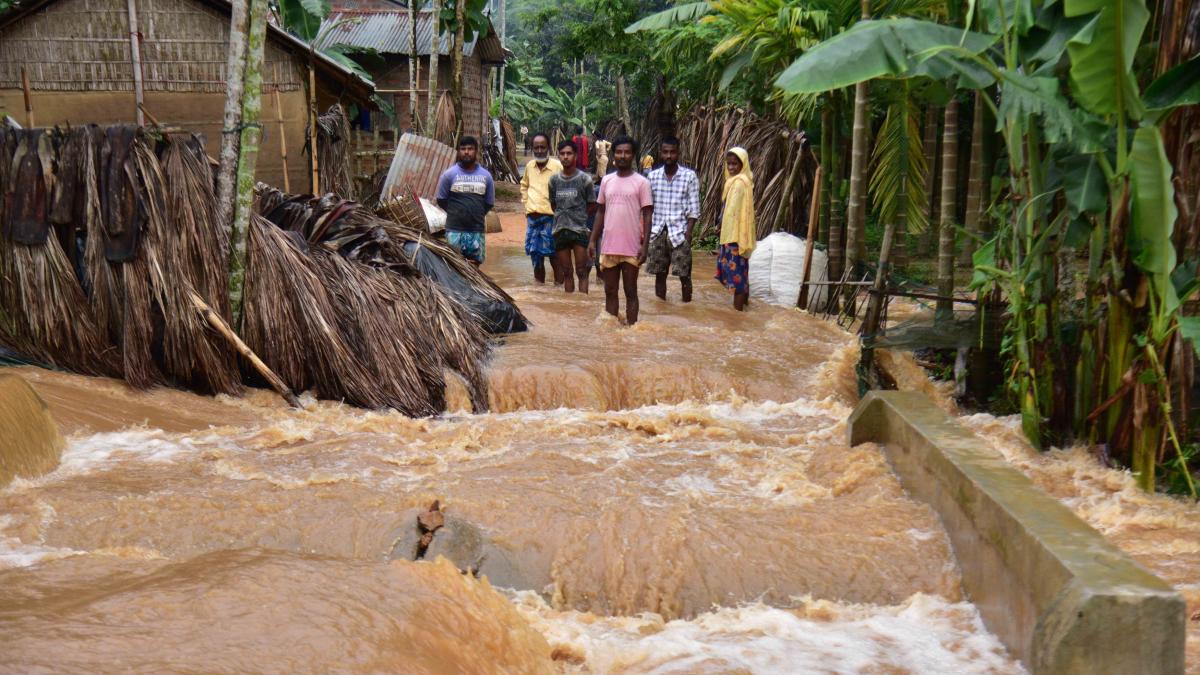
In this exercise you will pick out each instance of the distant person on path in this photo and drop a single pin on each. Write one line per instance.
(539, 215)
(623, 225)
(603, 147)
(581, 143)
(572, 196)
(466, 192)
(676, 192)
(738, 234)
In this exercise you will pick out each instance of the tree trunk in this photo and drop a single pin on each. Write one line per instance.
(827, 167)
(234, 70)
(933, 161)
(456, 83)
(434, 55)
(413, 60)
(945, 270)
(623, 106)
(976, 195)
(503, 39)
(247, 155)
(837, 246)
(856, 214)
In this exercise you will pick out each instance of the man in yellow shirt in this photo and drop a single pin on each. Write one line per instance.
(539, 215)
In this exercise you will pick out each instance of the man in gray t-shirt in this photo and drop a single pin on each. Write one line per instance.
(572, 196)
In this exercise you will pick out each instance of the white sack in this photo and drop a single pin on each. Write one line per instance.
(434, 215)
(776, 267)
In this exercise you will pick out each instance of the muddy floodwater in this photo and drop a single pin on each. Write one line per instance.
(673, 497)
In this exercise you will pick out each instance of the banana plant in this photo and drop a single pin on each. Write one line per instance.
(1133, 258)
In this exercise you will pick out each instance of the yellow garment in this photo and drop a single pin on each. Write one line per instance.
(602, 148)
(737, 218)
(535, 186)
(647, 163)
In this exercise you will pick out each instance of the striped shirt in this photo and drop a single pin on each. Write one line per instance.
(676, 199)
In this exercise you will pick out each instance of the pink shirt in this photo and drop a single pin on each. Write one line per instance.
(623, 200)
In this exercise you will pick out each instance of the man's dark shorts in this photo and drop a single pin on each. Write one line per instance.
(662, 256)
(565, 239)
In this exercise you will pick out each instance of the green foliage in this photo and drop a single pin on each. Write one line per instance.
(474, 12)
(898, 180)
(1153, 223)
(671, 18)
(1178, 86)
(1102, 79)
(302, 18)
(874, 49)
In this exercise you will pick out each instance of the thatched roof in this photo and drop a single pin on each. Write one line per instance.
(330, 303)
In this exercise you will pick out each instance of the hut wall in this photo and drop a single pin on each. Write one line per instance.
(476, 94)
(200, 113)
(77, 58)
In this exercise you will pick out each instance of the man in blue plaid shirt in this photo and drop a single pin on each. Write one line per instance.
(676, 191)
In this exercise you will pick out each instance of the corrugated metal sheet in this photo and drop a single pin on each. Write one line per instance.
(417, 165)
(386, 31)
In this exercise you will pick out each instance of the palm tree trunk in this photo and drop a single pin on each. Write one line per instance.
(456, 84)
(247, 154)
(434, 49)
(412, 65)
(856, 216)
(827, 166)
(945, 271)
(933, 161)
(975, 184)
(234, 71)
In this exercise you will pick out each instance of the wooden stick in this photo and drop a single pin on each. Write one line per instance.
(813, 213)
(312, 127)
(287, 183)
(223, 328)
(28, 99)
(135, 56)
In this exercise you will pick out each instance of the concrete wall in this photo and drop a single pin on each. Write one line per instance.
(1050, 587)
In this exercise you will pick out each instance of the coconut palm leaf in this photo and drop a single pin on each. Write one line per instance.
(668, 18)
(898, 180)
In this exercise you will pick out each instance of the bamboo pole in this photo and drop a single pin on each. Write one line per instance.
(247, 155)
(232, 121)
(412, 65)
(312, 127)
(283, 154)
(456, 83)
(28, 98)
(813, 213)
(221, 327)
(434, 56)
(135, 55)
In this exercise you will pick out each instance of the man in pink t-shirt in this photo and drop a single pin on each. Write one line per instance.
(623, 225)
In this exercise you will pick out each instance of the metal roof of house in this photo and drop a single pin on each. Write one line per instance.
(388, 31)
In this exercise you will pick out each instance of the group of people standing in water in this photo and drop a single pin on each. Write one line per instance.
(630, 223)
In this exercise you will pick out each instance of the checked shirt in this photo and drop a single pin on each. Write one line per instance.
(675, 200)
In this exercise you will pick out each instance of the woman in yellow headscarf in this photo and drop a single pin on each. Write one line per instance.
(737, 227)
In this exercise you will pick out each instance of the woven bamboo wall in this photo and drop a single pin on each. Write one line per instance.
(83, 45)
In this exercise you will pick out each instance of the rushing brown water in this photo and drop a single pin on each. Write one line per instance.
(672, 497)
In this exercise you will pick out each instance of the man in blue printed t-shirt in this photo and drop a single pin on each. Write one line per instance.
(466, 192)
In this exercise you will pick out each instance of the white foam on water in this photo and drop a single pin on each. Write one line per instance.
(103, 450)
(16, 553)
(925, 634)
